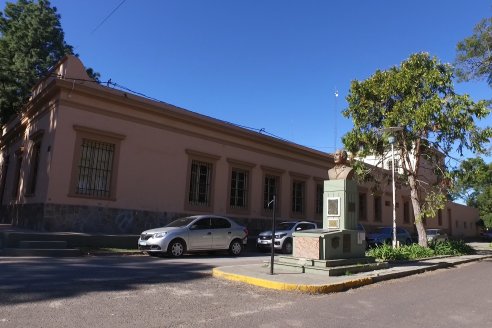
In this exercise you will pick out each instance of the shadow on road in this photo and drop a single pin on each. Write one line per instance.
(38, 279)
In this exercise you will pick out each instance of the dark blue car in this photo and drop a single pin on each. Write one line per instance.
(384, 235)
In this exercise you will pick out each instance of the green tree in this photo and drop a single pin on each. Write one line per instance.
(419, 97)
(31, 42)
(473, 183)
(474, 54)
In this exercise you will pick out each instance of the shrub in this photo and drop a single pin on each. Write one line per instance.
(414, 252)
(451, 247)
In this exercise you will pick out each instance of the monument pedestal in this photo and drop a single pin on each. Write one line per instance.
(322, 244)
(339, 238)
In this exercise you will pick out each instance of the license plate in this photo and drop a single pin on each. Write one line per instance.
(264, 242)
(142, 243)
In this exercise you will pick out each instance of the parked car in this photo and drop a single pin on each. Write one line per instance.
(283, 235)
(435, 235)
(384, 235)
(194, 233)
(486, 235)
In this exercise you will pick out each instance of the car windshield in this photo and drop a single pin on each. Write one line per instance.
(385, 230)
(432, 232)
(181, 222)
(285, 225)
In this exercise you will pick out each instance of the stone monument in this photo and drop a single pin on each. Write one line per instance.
(339, 238)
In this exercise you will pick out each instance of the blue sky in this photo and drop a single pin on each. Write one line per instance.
(265, 64)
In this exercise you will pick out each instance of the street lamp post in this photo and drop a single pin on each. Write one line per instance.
(392, 140)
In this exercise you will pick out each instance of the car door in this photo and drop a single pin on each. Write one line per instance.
(221, 233)
(200, 235)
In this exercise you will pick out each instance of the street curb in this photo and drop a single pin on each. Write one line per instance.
(311, 289)
(335, 287)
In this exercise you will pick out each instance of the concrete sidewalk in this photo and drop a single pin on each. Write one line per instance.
(259, 275)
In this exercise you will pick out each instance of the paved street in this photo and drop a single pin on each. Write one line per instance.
(130, 291)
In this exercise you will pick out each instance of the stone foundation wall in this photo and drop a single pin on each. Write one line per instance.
(93, 219)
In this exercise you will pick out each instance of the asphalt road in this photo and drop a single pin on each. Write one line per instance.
(140, 291)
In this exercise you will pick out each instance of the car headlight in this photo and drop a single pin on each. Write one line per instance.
(280, 235)
(160, 234)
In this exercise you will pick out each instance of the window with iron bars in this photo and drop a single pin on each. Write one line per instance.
(269, 190)
(319, 198)
(33, 175)
(17, 178)
(95, 168)
(200, 178)
(239, 189)
(298, 197)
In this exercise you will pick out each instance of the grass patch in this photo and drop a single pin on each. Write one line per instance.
(415, 252)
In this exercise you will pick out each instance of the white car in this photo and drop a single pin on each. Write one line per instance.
(283, 235)
(435, 235)
(194, 233)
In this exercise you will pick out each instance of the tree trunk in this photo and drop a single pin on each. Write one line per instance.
(416, 211)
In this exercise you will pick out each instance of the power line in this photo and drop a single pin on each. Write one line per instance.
(107, 17)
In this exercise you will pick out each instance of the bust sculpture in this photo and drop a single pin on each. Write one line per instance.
(341, 170)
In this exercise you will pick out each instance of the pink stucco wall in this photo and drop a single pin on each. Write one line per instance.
(153, 163)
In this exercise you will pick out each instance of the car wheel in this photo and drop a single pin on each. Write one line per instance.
(287, 247)
(176, 248)
(236, 247)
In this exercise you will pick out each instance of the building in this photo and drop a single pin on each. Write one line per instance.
(89, 158)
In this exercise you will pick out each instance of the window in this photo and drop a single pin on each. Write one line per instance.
(298, 197)
(378, 215)
(220, 223)
(33, 174)
(17, 178)
(439, 217)
(389, 165)
(362, 207)
(95, 168)
(5, 170)
(200, 183)
(239, 188)
(270, 189)
(202, 224)
(95, 163)
(406, 212)
(305, 226)
(319, 198)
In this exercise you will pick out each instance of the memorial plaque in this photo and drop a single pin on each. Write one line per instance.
(333, 206)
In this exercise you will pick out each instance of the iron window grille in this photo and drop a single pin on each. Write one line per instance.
(5, 170)
(362, 207)
(298, 197)
(17, 179)
(406, 212)
(201, 176)
(239, 189)
(319, 198)
(269, 190)
(95, 168)
(33, 176)
(378, 209)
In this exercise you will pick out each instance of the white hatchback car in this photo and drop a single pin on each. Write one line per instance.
(283, 235)
(194, 233)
